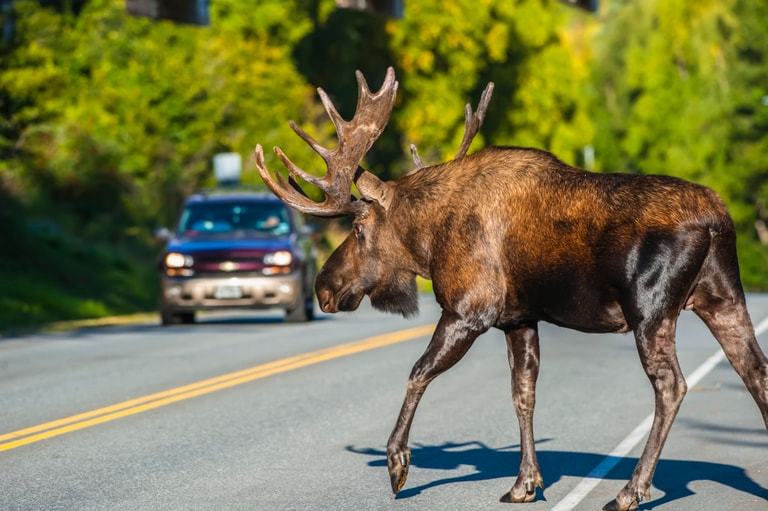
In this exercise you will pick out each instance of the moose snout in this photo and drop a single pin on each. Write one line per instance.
(325, 299)
(325, 295)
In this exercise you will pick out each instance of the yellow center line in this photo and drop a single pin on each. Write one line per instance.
(133, 406)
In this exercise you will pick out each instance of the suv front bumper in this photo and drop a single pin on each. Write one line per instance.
(252, 292)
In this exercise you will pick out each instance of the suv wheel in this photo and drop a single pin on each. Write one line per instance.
(176, 318)
(305, 312)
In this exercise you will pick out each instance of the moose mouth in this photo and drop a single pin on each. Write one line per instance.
(350, 301)
(346, 300)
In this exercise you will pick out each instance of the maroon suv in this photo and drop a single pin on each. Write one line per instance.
(237, 250)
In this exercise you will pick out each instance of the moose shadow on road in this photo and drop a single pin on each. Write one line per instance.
(672, 476)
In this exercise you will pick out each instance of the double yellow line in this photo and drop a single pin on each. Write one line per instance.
(142, 404)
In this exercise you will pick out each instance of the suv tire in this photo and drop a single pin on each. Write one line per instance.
(176, 318)
(305, 312)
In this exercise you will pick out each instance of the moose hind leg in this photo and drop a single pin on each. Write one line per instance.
(452, 339)
(523, 352)
(718, 299)
(656, 346)
(730, 324)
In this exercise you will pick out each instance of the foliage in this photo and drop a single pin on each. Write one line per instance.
(49, 276)
(108, 121)
(121, 115)
(448, 52)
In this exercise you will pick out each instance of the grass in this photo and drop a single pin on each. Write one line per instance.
(48, 277)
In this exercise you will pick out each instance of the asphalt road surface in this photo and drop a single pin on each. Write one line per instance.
(245, 412)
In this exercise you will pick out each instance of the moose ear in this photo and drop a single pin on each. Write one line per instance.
(374, 189)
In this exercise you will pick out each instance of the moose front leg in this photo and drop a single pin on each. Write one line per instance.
(450, 342)
(523, 352)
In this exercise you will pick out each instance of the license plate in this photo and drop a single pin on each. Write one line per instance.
(228, 292)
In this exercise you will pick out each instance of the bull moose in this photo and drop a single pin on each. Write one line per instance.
(513, 236)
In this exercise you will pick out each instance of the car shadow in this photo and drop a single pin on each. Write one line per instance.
(252, 320)
(672, 476)
(238, 320)
(84, 332)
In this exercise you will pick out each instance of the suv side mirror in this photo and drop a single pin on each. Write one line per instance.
(161, 234)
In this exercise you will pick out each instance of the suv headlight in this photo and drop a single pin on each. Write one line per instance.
(281, 258)
(177, 260)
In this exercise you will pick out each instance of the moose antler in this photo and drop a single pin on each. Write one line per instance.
(472, 122)
(355, 139)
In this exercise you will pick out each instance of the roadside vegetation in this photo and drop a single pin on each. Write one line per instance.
(108, 121)
(51, 275)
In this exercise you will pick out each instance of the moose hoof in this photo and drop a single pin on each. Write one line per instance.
(615, 506)
(397, 465)
(521, 493)
(626, 501)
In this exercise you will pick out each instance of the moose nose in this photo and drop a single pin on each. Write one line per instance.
(324, 298)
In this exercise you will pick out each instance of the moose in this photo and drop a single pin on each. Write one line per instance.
(513, 236)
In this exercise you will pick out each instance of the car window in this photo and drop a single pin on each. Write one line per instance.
(224, 217)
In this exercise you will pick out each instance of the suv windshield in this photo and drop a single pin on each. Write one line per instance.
(226, 217)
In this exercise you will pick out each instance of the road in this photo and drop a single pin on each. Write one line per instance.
(244, 412)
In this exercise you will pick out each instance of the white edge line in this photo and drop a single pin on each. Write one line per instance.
(600, 471)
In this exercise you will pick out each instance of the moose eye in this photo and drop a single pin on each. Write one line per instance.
(357, 230)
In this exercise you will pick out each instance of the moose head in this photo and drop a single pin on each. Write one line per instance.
(375, 259)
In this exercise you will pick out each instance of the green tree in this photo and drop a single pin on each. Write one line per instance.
(448, 52)
(121, 114)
